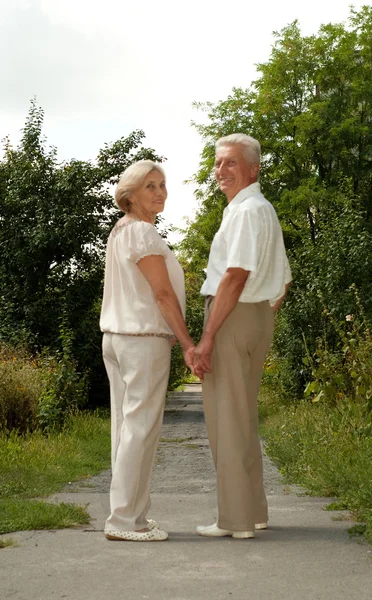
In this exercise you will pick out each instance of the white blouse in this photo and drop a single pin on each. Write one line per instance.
(129, 306)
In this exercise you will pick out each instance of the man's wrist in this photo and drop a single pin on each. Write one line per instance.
(208, 336)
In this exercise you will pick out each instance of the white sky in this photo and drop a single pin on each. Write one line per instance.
(101, 69)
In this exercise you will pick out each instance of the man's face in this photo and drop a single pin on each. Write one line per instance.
(232, 171)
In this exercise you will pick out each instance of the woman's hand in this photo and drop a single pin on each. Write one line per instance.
(190, 360)
(188, 356)
(173, 341)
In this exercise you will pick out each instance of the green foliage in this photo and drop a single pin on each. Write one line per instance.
(324, 442)
(36, 465)
(197, 239)
(343, 377)
(193, 252)
(325, 275)
(22, 515)
(311, 109)
(194, 304)
(54, 222)
(65, 388)
(39, 391)
(178, 369)
(327, 451)
(21, 385)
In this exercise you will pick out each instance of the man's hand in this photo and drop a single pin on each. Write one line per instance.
(279, 302)
(199, 373)
(202, 356)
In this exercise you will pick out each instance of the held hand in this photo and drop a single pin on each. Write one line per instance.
(198, 372)
(188, 356)
(202, 355)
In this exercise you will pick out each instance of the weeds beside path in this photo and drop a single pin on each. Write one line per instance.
(323, 450)
(35, 466)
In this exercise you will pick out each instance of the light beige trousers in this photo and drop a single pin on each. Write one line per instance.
(138, 371)
(231, 413)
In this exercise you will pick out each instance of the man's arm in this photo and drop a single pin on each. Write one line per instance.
(228, 294)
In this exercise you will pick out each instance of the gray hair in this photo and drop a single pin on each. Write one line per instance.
(251, 147)
(131, 179)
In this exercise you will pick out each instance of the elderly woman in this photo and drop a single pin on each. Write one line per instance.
(142, 315)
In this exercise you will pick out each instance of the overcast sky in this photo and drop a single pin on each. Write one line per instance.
(101, 69)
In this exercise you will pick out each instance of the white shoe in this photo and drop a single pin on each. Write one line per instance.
(153, 535)
(151, 524)
(261, 526)
(215, 531)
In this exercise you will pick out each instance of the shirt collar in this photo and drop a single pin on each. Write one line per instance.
(254, 188)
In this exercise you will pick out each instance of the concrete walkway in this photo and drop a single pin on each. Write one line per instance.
(306, 554)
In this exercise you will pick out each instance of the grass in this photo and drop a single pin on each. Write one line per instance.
(7, 543)
(22, 515)
(190, 378)
(34, 466)
(177, 388)
(324, 449)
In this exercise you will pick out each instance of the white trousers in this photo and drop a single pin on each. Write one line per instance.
(138, 371)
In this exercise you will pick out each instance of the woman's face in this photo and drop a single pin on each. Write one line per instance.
(150, 196)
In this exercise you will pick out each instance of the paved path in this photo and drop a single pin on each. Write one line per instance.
(305, 555)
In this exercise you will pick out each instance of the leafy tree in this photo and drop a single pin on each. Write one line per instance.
(326, 276)
(311, 109)
(54, 222)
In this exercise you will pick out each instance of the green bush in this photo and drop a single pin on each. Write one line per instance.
(342, 377)
(178, 369)
(65, 390)
(324, 442)
(39, 392)
(325, 274)
(20, 388)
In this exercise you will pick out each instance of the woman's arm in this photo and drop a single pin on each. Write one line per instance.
(154, 269)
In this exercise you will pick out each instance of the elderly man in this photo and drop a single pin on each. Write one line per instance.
(248, 276)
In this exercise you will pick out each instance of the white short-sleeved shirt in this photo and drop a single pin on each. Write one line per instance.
(129, 305)
(250, 237)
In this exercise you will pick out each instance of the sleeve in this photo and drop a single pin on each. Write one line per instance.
(143, 241)
(243, 240)
(287, 279)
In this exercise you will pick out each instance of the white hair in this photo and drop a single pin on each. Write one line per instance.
(251, 147)
(131, 179)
